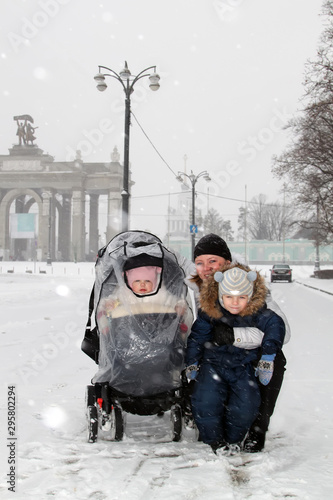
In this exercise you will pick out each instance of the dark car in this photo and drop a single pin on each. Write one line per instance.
(281, 272)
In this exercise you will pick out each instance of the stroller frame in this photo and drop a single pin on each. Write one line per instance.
(106, 407)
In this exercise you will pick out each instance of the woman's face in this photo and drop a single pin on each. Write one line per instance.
(209, 264)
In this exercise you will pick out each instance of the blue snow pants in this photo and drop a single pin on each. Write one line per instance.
(225, 402)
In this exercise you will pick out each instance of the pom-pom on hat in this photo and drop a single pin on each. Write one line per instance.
(235, 281)
(212, 244)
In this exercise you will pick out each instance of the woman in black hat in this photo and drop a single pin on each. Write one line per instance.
(210, 253)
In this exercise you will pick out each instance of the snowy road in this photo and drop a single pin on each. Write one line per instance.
(41, 328)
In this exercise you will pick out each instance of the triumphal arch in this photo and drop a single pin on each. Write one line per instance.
(51, 210)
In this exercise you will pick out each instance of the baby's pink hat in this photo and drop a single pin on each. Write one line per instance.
(143, 273)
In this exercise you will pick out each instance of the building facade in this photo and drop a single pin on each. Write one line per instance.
(300, 251)
(51, 210)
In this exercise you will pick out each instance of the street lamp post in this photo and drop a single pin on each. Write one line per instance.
(127, 81)
(49, 250)
(193, 180)
(317, 261)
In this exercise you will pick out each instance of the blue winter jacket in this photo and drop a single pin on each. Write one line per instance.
(199, 344)
(200, 347)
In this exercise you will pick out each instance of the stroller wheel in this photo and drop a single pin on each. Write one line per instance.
(176, 422)
(92, 417)
(117, 423)
(90, 395)
(92, 414)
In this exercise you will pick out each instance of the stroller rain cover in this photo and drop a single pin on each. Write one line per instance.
(142, 338)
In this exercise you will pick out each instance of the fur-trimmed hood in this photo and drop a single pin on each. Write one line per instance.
(209, 292)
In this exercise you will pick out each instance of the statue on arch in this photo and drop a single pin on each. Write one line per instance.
(21, 132)
(29, 133)
(25, 131)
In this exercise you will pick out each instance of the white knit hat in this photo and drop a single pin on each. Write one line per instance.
(235, 281)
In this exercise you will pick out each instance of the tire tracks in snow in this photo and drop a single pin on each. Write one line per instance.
(152, 472)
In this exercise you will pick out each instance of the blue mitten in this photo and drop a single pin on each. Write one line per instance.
(265, 368)
(192, 371)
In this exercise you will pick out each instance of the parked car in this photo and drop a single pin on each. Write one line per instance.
(281, 272)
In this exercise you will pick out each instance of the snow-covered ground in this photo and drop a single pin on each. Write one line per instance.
(43, 316)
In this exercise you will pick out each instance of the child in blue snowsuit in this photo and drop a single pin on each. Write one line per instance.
(226, 397)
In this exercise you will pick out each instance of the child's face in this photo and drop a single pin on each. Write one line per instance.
(142, 286)
(235, 304)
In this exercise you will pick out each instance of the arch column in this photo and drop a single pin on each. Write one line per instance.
(64, 225)
(4, 229)
(114, 216)
(78, 225)
(93, 225)
(46, 227)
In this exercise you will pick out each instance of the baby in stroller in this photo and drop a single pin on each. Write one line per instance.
(143, 280)
(143, 317)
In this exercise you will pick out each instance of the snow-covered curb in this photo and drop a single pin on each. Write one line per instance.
(314, 287)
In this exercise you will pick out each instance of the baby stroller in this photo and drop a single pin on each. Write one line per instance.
(139, 343)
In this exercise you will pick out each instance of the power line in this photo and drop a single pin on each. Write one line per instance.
(159, 154)
(242, 201)
(222, 197)
(206, 194)
(189, 192)
(150, 215)
(159, 195)
(186, 192)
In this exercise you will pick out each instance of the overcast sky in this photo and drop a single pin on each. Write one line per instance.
(231, 77)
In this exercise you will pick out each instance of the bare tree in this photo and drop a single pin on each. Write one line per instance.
(265, 221)
(214, 223)
(307, 162)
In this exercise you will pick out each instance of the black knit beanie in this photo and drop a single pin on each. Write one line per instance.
(212, 244)
(142, 260)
